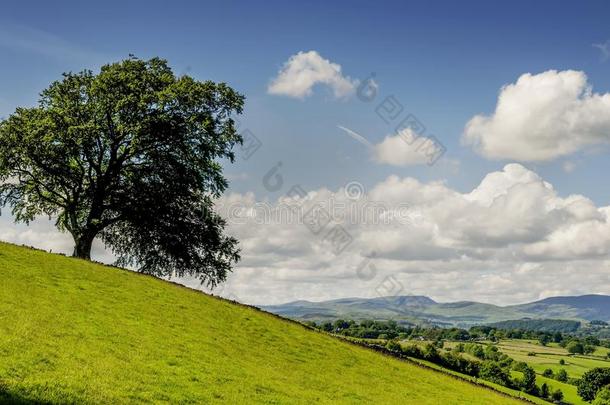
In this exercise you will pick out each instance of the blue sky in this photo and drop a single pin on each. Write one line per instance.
(445, 62)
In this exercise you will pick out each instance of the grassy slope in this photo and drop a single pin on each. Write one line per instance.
(72, 331)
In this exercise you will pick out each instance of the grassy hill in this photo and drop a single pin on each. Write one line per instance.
(76, 332)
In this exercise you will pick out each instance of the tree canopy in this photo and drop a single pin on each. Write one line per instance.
(592, 382)
(131, 155)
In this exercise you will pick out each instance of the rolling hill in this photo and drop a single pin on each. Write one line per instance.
(589, 307)
(421, 309)
(72, 331)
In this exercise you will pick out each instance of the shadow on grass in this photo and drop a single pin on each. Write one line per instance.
(8, 397)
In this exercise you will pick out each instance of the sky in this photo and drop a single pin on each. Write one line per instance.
(458, 150)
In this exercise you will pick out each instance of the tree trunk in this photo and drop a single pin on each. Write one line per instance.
(82, 246)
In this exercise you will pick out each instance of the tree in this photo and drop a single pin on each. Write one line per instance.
(575, 347)
(548, 373)
(592, 382)
(544, 390)
(130, 156)
(562, 376)
(603, 396)
(393, 346)
(589, 349)
(491, 353)
(431, 353)
(340, 324)
(477, 351)
(491, 371)
(592, 341)
(528, 384)
(520, 366)
(326, 326)
(557, 395)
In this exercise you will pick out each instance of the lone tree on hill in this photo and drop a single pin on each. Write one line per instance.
(130, 156)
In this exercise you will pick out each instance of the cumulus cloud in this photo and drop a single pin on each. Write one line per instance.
(484, 244)
(512, 229)
(406, 149)
(541, 117)
(305, 70)
(585, 239)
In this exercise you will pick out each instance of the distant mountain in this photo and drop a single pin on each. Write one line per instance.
(424, 310)
(399, 307)
(589, 307)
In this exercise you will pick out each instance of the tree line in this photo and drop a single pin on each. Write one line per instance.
(375, 329)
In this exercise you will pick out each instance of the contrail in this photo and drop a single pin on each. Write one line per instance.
(357, 137)
(605, 52)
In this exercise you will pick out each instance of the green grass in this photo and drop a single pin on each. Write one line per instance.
(76, 332)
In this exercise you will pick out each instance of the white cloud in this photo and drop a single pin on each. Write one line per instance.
(485, 244)
(586, 239)
(406, 149)
(542, 117)
(305, 70)
(512, 229)
(403, 149)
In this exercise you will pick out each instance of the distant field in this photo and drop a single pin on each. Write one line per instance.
(546, 357)
(76, 332)
(549, 356)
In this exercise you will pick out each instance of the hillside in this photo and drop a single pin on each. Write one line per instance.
(76, 332)
(589, 307)
(421, 309)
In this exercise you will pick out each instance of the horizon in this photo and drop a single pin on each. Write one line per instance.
(440, 302)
